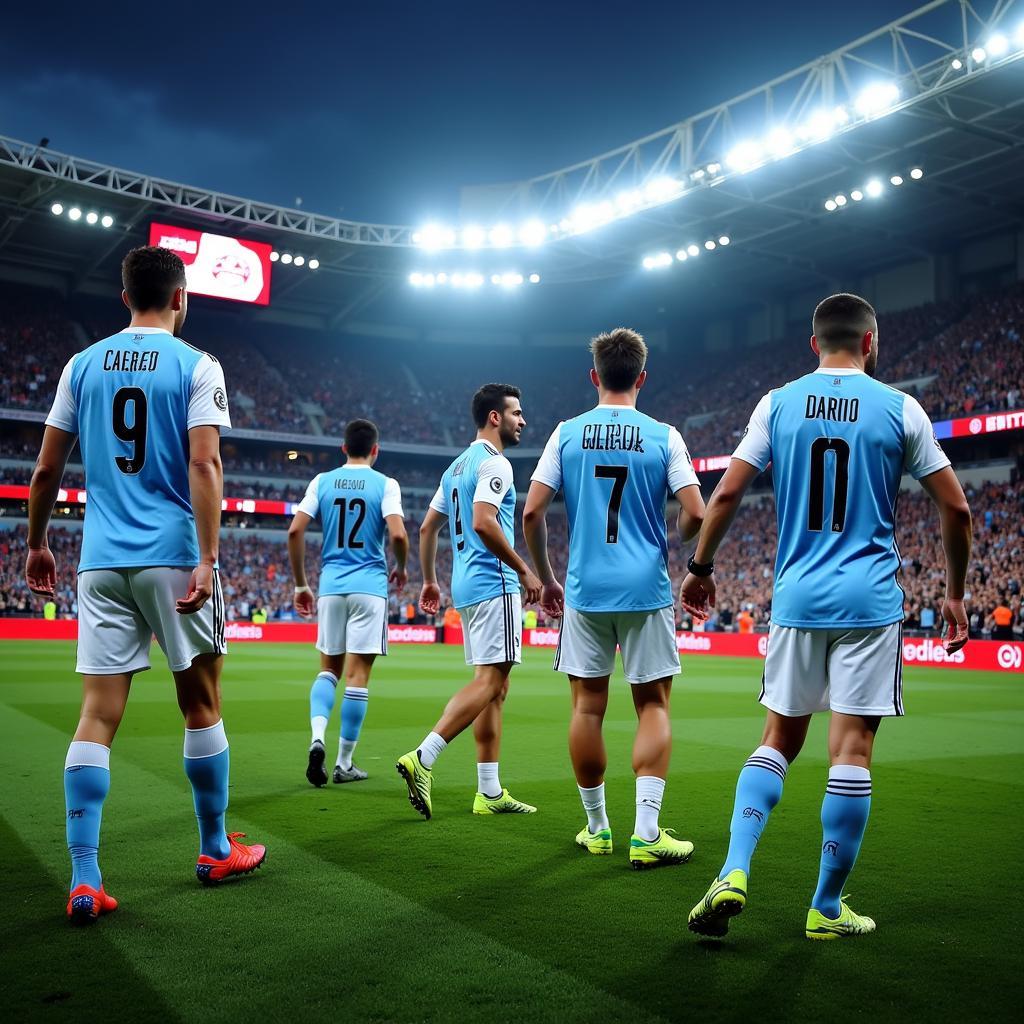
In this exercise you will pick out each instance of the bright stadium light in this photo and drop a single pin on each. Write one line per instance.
(896, 179)
(91, 217)
(822, 124)
(300, 261)
(428, 280)
(877, 98)
(682, 255)
(744, 156)
(533, 232)
(840, 200)
(107, 221)
(917, 174)
(473, 236)
(661, 189)
(856, 195)
(274, 255)
(629, 200)
(442, 278)
(314, 264)
(415, 279)
(998, 45)
(830, 205)
(1018, 36)
(535, 279)
(710, 244)
(693, 249)
(874, 188)
(780, 143)
(978, 55)
(286, 258)
(75, 213)
(957, 64)
(714, 169)
(724, 240)
(474, 280)
(433, 236)
(495, 278)
(56, 209)
(457, 280)
(501, 236)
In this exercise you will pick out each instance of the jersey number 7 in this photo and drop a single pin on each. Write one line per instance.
(618, 474)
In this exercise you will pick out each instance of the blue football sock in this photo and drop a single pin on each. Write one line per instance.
(321, 703)
(207, 766)
(86, 784)
(758, 790)
(844, 816)
(353, 711)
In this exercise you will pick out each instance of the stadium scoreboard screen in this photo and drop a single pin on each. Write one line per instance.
(219, 265)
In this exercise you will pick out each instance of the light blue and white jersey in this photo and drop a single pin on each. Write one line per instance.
(480, 473)
(352, 504)
(616, 467)
(839, 443)
(132, 400)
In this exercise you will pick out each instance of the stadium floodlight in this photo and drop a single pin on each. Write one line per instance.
(724, 240)
(314, 264)
(664, 259)
(830, 205)
(840, 200)
(274, 255)
(107, 221)
(822, 124)
(473, 236)
(428, 280)
(75, 213)
(495, 278)
(710, 245)
(415, 279)
(856, 195)
(508, 280)
(780, 143)
(957, 64)
(698, 175)
(629, 200)
(661, 189)
(917, 174)
(533, 232)
(433, 236)
(535, 279)
(978, 55)
(56, 209)
(681, 255)
(693, 249)
(648, 262)
(292, 455)
(1018, 36)
(457, 280)
(300, 261)
(474, 280)
(998, 45)
(874, 188)
(877, 99)
(442, 278)
(501, 236)
(744, 156)
(92, 217)
(896, 179)
(714, 169)
(286, 258)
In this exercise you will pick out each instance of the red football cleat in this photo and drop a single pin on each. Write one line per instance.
(240, 861)
(86, 904)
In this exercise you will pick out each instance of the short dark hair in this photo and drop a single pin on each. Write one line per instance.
(840, 321)
(619, 358)
(360, 437)
(491, 398)
(150, 275)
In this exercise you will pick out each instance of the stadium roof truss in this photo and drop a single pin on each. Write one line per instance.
(936, 105)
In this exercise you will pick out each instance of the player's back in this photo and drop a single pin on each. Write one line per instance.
(617, 467)
(481, 472)
(132, 399)
(839, 443)
(351, 505)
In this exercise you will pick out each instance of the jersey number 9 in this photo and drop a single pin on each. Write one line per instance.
(135, 435)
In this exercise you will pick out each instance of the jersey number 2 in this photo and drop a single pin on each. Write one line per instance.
(135, 434)
(816, 499)
(359, 507)
(618, 474)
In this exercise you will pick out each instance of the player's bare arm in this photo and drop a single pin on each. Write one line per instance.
(303, 599)
(691, 512)
(399, 541)
(430, 528)
(535, 531)
(488, 529)
(697, 593)
(206, 486)
(40, 567)
(944, 489)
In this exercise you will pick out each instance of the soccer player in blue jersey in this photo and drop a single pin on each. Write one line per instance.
(839, 443)
(477, 499)
(359, 510)
(147, 410)
(616, 467)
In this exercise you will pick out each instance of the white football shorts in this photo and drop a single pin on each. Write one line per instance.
(647, 639)
(119, 610)
(853, 671)
(492, 631)
(352, 624)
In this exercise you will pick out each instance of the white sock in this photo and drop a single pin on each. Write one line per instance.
(487, 778)
(649, 791)
(593, 804)
(319, 725)
(345, 748)
(430, 749)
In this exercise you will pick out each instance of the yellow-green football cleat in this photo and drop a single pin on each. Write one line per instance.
(724, 900)
(846, 925)
(418, 779)
(599, 842)
(503, 804)
(659, 853)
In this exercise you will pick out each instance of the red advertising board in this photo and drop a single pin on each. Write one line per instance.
(219, 265)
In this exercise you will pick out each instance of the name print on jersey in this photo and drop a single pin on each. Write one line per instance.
(131, 361)
(612, 437)
(832, 408)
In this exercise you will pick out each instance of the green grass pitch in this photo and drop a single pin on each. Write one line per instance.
(364, 912)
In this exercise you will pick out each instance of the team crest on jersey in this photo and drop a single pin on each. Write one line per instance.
(496, 484)
(220, 399)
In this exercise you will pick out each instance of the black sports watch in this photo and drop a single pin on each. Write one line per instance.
(698, 568)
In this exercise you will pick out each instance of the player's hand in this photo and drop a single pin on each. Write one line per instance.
(430, 599)
(955, 614)
(398, 578)
(697, 596)
(532, 587)
(552, 599)
(41, 572)
(200, 590)
(304, 602)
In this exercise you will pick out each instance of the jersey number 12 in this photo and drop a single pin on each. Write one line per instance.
(358, 506)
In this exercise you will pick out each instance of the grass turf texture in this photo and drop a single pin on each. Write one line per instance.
(364, 912)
